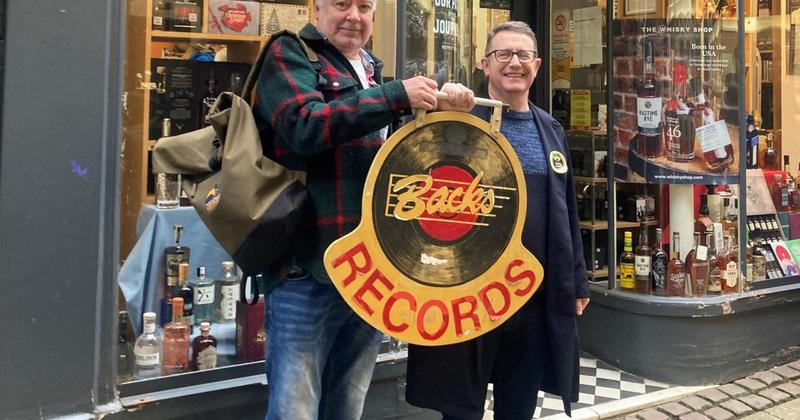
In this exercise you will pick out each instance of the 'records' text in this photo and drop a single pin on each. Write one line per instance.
(398, 310)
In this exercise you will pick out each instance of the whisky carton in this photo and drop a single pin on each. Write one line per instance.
(233, 17)
(250, 335)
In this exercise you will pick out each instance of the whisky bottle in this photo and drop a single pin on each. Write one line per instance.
(790, 184)
(648, 105)
(714, 286)
(676, 273)
(658, 271)
(236, 83)
(207, 101)
(698, 269)
(126, 360)
(228, 287)
(174, 256)
(204, 349)
(731, 220)
(678, 126)
(176, 342)
(731, 273)
(714, 203)
(147, 350)
(203, 294)
(752, 143)
(642, 263)
(717, 148)
(770, 154)
(187, 295)
(703, 223)
(627, 267)
(780, 194)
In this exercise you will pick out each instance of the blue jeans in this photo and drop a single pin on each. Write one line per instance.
(320, 355)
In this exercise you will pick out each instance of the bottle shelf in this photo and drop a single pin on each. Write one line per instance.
(203, 36)
(598, 274)
(588, 180)
(588, 132)
(603, 224)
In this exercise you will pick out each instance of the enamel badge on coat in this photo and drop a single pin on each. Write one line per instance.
(438, 258)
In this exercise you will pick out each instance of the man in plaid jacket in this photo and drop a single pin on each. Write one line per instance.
(328, 119)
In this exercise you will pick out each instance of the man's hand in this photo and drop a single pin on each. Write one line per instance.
(459, 98)
(580, 305)
(421, 92)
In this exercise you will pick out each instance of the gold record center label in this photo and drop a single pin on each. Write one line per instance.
(438, 258)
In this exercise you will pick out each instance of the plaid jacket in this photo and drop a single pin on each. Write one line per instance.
(325, 123)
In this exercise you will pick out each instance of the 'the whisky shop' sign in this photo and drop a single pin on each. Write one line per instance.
(437, 258)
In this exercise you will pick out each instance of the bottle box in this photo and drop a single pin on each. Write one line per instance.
(250, 336)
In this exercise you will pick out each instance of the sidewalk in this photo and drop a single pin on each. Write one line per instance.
(767, 395)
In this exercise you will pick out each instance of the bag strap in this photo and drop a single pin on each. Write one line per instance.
(252, 77)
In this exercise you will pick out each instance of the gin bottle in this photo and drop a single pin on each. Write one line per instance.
(203, 291)
(204, 349)
(228, 292)
(147, 350)
(174, 256)
(188, 296)
(125, 358)
(176, 342)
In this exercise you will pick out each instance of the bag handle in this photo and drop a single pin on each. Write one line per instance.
(252, 77)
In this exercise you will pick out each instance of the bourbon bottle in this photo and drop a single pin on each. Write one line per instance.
(627, 265)
(642, 263)
(658, 271)
(698, 271)
(731, 273)
(648, 105)
(678, 125)
(676, 273)
(714, 285)
(716, 146)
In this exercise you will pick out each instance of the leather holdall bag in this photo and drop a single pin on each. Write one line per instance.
(250, 203)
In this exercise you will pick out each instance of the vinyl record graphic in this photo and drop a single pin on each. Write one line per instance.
(445, 247)
(438, 258)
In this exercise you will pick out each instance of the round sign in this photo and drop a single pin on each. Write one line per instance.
(438, 258)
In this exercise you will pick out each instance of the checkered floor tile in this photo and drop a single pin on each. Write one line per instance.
(599, 383)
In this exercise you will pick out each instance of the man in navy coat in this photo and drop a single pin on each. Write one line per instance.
(537, 348)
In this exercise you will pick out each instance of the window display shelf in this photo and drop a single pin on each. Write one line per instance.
(202, 36)
(598, 274)
(590, 180)
(603, 224)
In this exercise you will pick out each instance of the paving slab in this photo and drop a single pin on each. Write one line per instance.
(786, 411)
(769, 378)
(694, 416)
(786, 371)
(695, 403)
(756, 401)
(774, 395)
(736, 407)
(674, 409)
(733, 390)
(652, 414)
(790, 388)
(717, 413)
(714, 395)
(751, 384)
(760, 416)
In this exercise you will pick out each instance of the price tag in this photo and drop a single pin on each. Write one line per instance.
(718, 239)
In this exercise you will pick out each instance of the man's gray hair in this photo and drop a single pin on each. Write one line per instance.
(511, 26)
(318, 3)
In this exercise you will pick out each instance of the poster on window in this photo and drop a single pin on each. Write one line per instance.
(675, 105)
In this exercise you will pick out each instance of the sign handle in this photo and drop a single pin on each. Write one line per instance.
(497, 112)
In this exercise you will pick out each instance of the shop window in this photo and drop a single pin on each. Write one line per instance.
(180, 54)
(680, 158)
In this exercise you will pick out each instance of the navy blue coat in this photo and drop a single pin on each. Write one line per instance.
(564, 277)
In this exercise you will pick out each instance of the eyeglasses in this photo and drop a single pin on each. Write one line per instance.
(505, 56)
